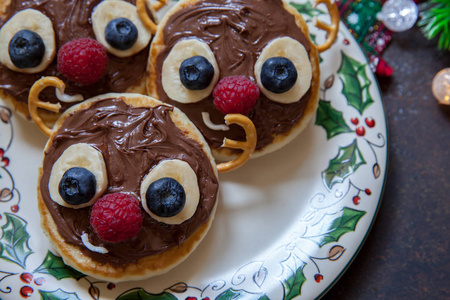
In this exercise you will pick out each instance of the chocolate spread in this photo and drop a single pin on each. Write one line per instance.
(236, 31)
(71, 20)
(132, 141)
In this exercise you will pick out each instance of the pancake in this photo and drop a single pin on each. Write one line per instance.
(237, 37)
(57, 23)
(127, 142)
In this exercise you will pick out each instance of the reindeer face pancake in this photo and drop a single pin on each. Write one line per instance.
(201, 45)
(32, 33)
(143, 162)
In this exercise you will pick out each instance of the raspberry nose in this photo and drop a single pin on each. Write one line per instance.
(116, 217)
(235, 95)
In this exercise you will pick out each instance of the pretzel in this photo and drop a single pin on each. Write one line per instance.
(141, 6)
(248, 146)
(332, 30)
(34, 102)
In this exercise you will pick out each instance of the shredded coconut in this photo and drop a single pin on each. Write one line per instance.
(211, 125)
(85, 240)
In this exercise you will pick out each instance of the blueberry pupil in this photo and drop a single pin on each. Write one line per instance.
(121, 33)
(165, 197)
(278, 74)
(26, 49)
(77, 186)
(196, 73)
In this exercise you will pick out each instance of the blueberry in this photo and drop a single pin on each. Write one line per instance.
(165, 197)
(26, 49)
(121, 33)
(196, 73)
(278, 74)
(77, 186)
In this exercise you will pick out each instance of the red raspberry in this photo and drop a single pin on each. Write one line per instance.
(83, 60)
(235, 95)
(116, 217)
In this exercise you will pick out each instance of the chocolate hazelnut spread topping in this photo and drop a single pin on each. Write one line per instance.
(71, 20)
(237, 31)
(132, 141)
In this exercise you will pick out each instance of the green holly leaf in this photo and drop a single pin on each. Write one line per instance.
(55, 266)
(355, 83)
(293, 285)
(331, 119)
(346, 162)
(14, 240)
(232, 294)
(307, 9)
(59, 294)
(346, 223)
(141, 294)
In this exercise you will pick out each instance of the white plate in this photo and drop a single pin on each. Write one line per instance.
(288, 224)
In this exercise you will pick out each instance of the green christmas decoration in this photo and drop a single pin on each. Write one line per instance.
(435, 22)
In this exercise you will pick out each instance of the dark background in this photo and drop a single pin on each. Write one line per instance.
(406, 255)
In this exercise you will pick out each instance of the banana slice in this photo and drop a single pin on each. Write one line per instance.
(293, 51)
(78, 156)
(183, 51)
(119, 29)
(182, 172)
(37, 29)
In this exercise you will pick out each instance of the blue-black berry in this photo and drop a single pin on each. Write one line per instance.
(121, 33)
(278, 74)
(196, 73)
(77, 186)
(165, 197)
(26, 49)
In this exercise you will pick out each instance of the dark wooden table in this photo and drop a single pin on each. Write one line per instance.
(407, 254)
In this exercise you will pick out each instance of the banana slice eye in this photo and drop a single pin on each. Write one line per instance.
(119, 29)
(170, 192)
(78, 178)
(190, 71)
(283, 70)
(27, 42)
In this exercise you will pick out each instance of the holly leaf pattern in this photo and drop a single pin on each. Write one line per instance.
(307, 9)
(14, 240)
(141, 294)
(355, 83)
(331, 119)
(293, 284)
(332, 227)
(55, 266)
(59, 294)
(232, 294)
(346, 162)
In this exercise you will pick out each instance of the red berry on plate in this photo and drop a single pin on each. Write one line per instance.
(111, 286)
(368, 192)
(82, 60)
(355, 121)
(318, 277)
(360, 131)
(356, 200)
(346, 42)
(370, 122)
(116, 217)
(235, 95)
(26, 291)
(26, 277)
(15, 208)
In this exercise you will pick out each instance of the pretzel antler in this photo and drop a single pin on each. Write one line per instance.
(141, 6)
(34, 102)
(333, 28)
(248, 146)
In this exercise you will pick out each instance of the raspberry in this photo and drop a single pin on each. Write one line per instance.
(116, 217)
(82, 60)
(235, 94)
